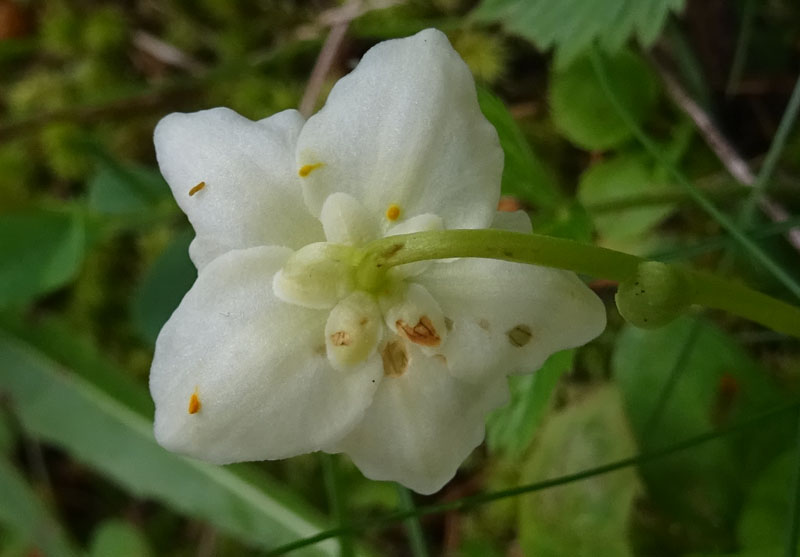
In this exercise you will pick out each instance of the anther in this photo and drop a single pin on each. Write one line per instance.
(194, 403)
(423, 333)
(307, 169)
(519, 336)
(197, 188)
(393, 212)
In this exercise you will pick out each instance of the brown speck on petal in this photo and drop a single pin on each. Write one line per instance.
(483, 324)
(395, 359)
(520, 335)
(423, 333)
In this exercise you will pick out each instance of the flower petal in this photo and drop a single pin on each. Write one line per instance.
(403, 133)
(509, 317)
(421, 425)
(346, 221)
(251, 194)
(240, 375)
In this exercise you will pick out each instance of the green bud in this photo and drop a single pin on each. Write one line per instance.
(654, 296)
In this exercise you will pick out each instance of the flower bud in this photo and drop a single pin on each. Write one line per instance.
(655, 295)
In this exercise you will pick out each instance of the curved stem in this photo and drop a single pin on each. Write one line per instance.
(707, 290)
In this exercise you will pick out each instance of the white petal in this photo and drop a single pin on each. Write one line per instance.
(420, 223)
(404, 128)
(346, 221)
(421, 425)
(513, 221)
(509, 317)
(257, 366)
(252, 195)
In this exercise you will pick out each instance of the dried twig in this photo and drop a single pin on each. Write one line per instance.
(727, 154)
(165, 52)
(322, 67)
(338, 19)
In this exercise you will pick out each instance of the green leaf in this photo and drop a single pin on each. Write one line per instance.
(40, 252)
(589, 517)
(23, 513)
(581, 109)
(163, 287)
(571, 26)
(117, 188)
(717, 383)
(511, 428)
(120, 539)
(765, 516)
(615, 181)
(7, 436)
(61, 407)
(524, 174)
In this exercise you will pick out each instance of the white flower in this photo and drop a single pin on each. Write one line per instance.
(278, 349)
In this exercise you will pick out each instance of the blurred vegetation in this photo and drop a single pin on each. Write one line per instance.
(93, 259)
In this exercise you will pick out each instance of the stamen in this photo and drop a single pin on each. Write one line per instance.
(393, 212)
(197, 188)
(194, 403)
(307, 169)
(423, 332)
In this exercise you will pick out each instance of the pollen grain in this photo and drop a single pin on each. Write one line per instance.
(194, 403)
(307, 169)
(393, 212)
(197, 188)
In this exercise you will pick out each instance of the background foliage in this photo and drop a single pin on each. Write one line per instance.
(93, 259)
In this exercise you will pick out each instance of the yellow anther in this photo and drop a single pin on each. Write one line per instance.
(194, 403)
(307, 169)
(197, 188)
(393, 212)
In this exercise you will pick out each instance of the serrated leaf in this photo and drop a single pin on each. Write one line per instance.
(511, 428)
(40, 252)
(163, 286)
(22, 512)
(524, 174)
(589, 517)
(718, 384)
(571, 26)
(581, 110)
(60, 407)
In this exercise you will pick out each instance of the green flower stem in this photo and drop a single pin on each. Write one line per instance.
(704, 289)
